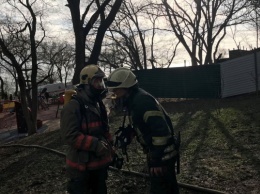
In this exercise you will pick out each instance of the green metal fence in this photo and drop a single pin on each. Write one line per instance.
(182, 82)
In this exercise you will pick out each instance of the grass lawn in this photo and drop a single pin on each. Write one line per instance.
(220, 150)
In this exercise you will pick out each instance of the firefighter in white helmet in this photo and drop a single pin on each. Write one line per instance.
(152, 127)
(84, 126)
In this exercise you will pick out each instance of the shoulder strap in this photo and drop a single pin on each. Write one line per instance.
(103, 114)
(82, 107)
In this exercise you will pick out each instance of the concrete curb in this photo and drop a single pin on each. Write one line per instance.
(13, 134)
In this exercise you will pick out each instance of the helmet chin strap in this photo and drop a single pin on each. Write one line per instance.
(103, 94)
(87, 89)
(96, 92)
(93, 92)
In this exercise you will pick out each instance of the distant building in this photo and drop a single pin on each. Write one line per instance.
(237, 53)
(240, 53)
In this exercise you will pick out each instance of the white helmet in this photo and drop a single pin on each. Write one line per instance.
(121, 78)
(93, 76)
(90, 72)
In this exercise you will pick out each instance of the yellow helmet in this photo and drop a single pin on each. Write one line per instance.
(89, 72)
(121, 78)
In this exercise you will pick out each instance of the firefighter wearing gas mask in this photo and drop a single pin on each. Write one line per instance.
(153, 130)
(84, 127)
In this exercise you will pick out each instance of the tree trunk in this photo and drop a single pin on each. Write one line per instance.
(81, 32)
(93, 59)
(2, 86)
(31, 125)
(80, 56)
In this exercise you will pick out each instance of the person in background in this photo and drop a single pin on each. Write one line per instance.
(10, 97)
(12, 111)
(44, 90)
(84, 126)
(152, 127)
(47, 96)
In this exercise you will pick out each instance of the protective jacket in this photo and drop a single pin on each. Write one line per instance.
(82, 128)
(153, 127)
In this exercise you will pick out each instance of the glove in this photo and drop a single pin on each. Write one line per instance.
(102, 149)
(117, 161)
(158, 171)
(109, 138)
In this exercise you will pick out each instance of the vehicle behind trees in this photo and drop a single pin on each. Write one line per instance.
(52, 89)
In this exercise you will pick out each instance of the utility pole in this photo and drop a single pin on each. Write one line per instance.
(256, 4)
(256, 21)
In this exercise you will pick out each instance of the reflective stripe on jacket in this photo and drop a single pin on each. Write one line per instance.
(82, 132)
(153, 127)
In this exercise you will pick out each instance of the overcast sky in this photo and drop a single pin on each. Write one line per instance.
(59, 24)
(61, 27)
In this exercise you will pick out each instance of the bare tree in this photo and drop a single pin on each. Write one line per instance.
(2, 86)
(255, 18)
(201, 25)
(9, 71)
(138, 38)
(65, 63)
(57, 61)
(96, 13)
(20, 37)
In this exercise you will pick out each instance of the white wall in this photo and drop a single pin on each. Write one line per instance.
(238, 76)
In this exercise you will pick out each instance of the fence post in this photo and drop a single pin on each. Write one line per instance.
(256, 73)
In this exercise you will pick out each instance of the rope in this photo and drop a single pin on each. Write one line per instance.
(143, 175)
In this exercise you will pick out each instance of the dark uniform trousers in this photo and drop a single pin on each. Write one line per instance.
(165, 184)
(94, 182)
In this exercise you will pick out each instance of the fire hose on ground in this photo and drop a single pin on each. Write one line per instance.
(183, 185)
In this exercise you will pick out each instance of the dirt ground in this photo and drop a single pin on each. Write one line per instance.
(230, 168)
(8, 120)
